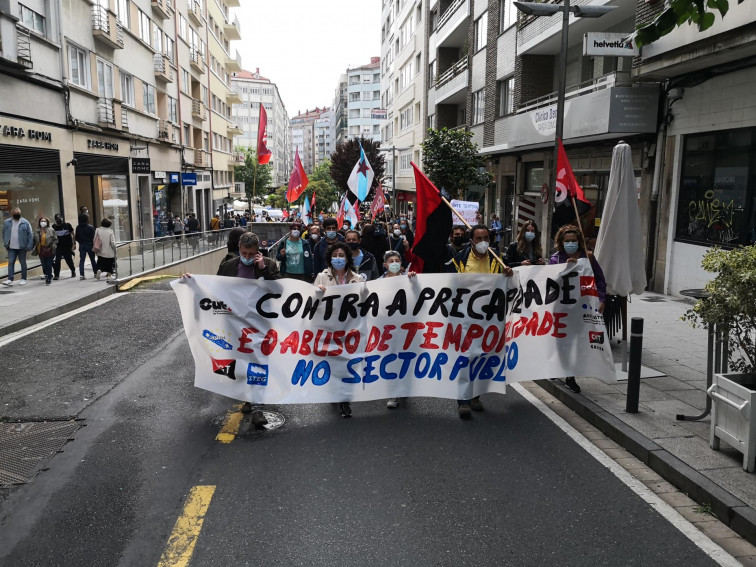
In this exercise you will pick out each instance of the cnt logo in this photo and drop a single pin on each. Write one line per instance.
(588, 286)
(257, 374)
(224, 368)
(218, 307)
(596, 337)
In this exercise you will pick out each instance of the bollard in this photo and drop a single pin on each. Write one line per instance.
(634, 371)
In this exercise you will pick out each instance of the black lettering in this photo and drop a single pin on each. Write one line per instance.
(470, 304)
(328, 302)
(552, 291)
(444, 294)
(311, 306)
(457, 301)
(531, 294)
(567, 287)
(425, 294)
(287, 309)
(497, 306)
(262, 300)
(369, 305)
(399, 304)
(347, 307)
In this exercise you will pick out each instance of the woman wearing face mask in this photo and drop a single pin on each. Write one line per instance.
(295, 255)
(107, 253)
(392, 262)
(398, 242)
(340, 271)
(571, 247)
(526, 250)
(404, 227)
(45, 241)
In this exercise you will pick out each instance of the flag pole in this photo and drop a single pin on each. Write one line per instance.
(577, 218)
(254, 187)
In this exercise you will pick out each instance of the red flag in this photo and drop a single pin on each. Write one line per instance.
(263, 153)
(340, 216)
(298, 180)
(312, 204)
(285, 215)
(379, 202)
(567, 188)
(434, 223)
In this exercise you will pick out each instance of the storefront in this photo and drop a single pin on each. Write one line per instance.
(29, 175)
(166, 194)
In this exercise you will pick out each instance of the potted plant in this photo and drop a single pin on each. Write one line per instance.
(731, 308)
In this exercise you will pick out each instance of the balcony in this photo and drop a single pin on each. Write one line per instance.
(201, 158)
(233, 97)
(238, 158)
(233, 65)
(124, 118)
(451, 28)
(234, 130)
(163, 69)
(451, 85)
(197, 61)
(199, 110)
(23, 47)
(232, 29)
(111, 114)
(106, 27)
(162, 8)
(195, 12)
(165, 130)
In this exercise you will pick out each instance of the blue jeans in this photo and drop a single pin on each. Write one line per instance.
(14, 253)
(47, 267)
(83, 252)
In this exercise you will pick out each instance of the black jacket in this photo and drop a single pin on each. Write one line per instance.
(514, 258)
(269, 272)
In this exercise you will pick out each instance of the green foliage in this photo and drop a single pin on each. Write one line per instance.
(277, 198)
(347, 154)
(246, 174)
(451, 160)
(732, 304)
(324, 186)
(679, 12)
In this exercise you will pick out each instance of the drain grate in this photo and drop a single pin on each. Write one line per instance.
(275, 420)
(25, 447)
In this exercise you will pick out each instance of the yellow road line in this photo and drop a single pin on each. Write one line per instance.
(231, 427)
(181, 544)
(136, 281)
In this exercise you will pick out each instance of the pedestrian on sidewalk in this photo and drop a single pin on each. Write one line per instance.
(178, 228)
(340, 271)
(192, 229)
(570, 247)
(84, 235)
(17, 239)
(66, 246)
(45, 241)
(106, 252)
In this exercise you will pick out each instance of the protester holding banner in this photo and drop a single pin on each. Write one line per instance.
(232, 244)
(570, 247)
(341, 271)
(527, 249)
(364, 262)
(250, 263)
(295, 255)
(330, 236)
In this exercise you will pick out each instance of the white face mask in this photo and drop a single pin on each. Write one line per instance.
(43, 224)
(397, 232)
(295, 234)
(481, 247)
(315, 236)
(395, 267)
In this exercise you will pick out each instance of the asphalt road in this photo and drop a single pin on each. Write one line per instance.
(411, 486)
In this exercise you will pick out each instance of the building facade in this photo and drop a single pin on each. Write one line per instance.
(363, 97)
(121, 90)
(339, 130)
(253, 90)
(404, 59)
(304, 138)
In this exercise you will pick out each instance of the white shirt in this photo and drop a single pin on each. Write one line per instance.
(14, 234)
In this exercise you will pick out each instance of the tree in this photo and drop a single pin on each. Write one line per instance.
(451, 160)
(679, 12)
(246, 174)
(325, 188)
(277, 198)
(347, 154)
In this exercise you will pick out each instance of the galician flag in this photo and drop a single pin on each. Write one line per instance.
(351, 213)
(361, 178)
(306, 211)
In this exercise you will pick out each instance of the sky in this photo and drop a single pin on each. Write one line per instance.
(303, 46)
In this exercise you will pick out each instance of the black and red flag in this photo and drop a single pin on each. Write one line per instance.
(434, 224)
(569, 195)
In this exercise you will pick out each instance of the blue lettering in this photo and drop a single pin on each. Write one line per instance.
(500, 375)
(355, 377)
(512, 355)
(488, 370)
(369, 377)
(301, 373)
(322, 373)
(424, 359)
(476, 367)
(435, 370)
(385, 374)
(459, 364)
(406, 358)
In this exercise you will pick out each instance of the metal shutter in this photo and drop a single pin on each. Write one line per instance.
(18, 159)
(94, 164)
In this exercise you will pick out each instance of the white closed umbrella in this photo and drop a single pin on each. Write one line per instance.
(619, 246)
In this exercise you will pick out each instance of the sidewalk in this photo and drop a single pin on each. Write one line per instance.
(677, 450)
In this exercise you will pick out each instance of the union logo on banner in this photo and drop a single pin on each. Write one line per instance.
(588, 286)
(224, 368)
(596, 337)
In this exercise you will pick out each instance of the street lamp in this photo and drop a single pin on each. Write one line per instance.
(393, 150)
(582, 11)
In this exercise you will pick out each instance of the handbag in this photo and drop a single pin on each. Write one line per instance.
(45, 251)
(97, 245)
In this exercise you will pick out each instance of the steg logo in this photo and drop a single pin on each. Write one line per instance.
(218, 307)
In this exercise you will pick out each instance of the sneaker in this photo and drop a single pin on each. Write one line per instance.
(464, 411)
(393, 403)
(55, 277)
(48, 282)
(22, 282)
(73, 273)
(346, 409)
(98, 274)
(571, 384)
(8, 283)
(475, 404)
(259, 419)
(82, 277)
(246, 408)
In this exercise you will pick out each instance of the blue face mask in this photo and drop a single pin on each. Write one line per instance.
(247, 261)
(571, 247)
(330, 234)
(338, 263)
(530, 236)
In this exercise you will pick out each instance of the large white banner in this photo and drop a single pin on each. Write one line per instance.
(440, 335)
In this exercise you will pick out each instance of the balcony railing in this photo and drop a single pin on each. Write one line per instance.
(162, 8)
(197, 60)
(105, 113)
(232, 29)
(195, 12)
(199, 110)
(164, 128)
(124, 118)
(452, 72)
(107, 27)
(200, 158)
(448, 13)
(238, 157)
(615, 78)
(23, 46)
(163, 70)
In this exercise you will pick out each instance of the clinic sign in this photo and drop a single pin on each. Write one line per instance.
(609, 45)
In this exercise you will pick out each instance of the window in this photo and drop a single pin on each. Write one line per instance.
(32, 19)
(432, 73)
(105, 79)
(507, 14)
(405, 118)
(717, 198)
(354, 130)
(354, 97)
(354, 113)
(122, 11)
(144, 27)
(127, 89)
(506, 97)
(172, 109)
(78, 61)
(182, 27)
(366, 95)
(481, 29)
(404, 160)
(406, 31)
(478, 106)
(376, 95)
(184, 81)
(148, 98)
(157, 39)
(366, 112)
(418, 62)
(376, 77)
(170, 49)
(187, 136)
(405, 76)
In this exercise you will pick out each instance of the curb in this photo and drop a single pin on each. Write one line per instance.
(733, 512)
(55, 311)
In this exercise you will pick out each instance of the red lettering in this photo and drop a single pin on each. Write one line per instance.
(291, 342)
(323, 349)
(305, 349)
(430, 334)
(546, 324)
(453, 336)
(245, 340)
(531, 328)
(385, 337)
(352, 341)
(373, 339)
(490, 338)
(558, 325)
(474, 332)
(412, 329)
(337, 336)
(269, 342)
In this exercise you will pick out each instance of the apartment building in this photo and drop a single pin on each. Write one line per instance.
(253, 90)
(403, 91)
(339, 130)
(363, 98)
(304, 138)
